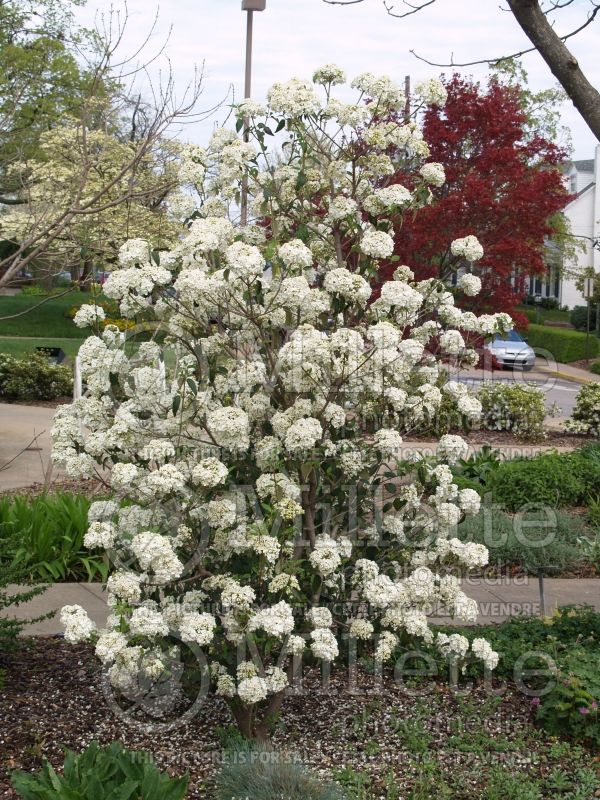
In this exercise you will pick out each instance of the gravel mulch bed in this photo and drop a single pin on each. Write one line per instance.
(384, 736)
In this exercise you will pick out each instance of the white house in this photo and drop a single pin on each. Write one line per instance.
(583, 180)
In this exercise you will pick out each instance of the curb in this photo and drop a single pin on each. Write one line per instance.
(567, 376)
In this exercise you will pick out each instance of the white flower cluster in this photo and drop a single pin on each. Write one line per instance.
(468, 247)
(89, 315)
(432, 92)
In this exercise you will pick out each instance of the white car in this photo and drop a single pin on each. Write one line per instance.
(512, 350)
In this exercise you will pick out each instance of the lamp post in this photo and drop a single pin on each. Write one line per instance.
(249, 6)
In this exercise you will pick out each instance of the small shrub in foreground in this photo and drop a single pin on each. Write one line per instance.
(111, 773)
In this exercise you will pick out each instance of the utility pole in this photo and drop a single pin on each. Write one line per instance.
(249, 6)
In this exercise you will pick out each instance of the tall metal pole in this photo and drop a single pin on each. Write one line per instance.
(248, 74)
(247, 90)
(249, 6)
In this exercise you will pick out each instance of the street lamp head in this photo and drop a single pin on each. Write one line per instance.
(254, 5)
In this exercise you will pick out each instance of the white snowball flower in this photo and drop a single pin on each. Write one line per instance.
(361, 629)
(197, 627)
(89, 315)
(252, 690)
(468, 247)
(433, 174)
(482, 649)
(324, 644)
(147, 622)
(329, 74)
(452, 342)
(469, 501)
(295, 254)
(134, 251)
(377, 244)
(433, 92)
(293, 98)
(470, 284)
(452, 448)
(210, 472)
(78, 626)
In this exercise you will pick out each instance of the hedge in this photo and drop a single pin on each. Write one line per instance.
(564, 345)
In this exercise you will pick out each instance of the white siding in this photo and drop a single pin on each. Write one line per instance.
(584, 216)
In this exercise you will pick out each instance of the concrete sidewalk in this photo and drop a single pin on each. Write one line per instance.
(25, 445)
(498, 600)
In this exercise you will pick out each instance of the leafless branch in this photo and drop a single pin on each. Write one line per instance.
(591, 16)
(414, 9)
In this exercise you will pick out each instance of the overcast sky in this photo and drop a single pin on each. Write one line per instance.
(293, 37)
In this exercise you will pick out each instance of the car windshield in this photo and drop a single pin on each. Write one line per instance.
(511, 336)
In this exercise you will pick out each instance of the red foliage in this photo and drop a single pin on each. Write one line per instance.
(499, 187)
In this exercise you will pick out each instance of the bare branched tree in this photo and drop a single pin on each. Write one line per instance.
(533, 18)
(112, 153)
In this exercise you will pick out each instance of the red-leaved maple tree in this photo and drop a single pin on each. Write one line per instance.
(501, 186)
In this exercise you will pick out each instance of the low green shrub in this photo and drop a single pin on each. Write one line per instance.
(514, 407)
(43, 537)
(548, 540)
(263, 774)
(478, 467)
(557, 659)
(579, 318)
(554, 479)
(564, 345)
(33, 378)
(572, 705)
(586, 414)
(110, 773)
(595, 368)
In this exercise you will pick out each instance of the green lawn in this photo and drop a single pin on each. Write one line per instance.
(19, 347)
(546, 314)
(47, 320)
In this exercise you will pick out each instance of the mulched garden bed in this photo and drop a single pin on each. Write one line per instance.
(383, 736)
(553, 438)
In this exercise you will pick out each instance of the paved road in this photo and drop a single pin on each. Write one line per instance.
(558, 391)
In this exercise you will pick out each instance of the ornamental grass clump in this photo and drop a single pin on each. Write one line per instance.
(255, 454)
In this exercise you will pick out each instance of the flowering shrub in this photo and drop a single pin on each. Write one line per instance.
(586, 414)
(518, 408)
(255, 455)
